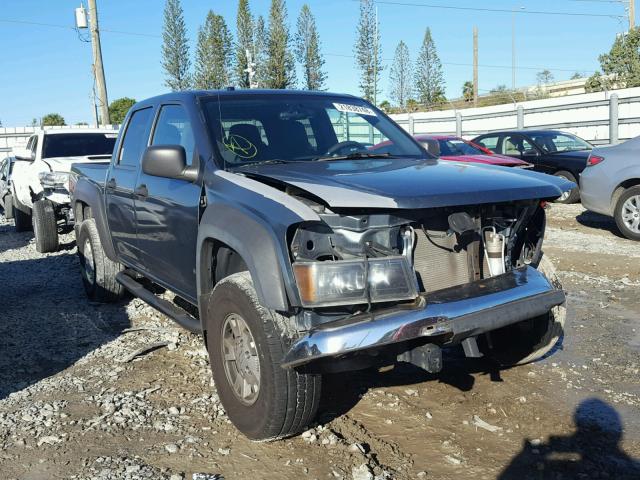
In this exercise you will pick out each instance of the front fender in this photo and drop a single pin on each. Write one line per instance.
(252, 219)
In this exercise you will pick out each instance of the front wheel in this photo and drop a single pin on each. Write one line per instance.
(530, 340)
(45, 226)
(98, 271)
(627, 213)
(246, 343)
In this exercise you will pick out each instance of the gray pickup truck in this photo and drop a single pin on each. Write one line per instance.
(274, 229)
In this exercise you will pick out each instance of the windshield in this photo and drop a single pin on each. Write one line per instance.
(452, 147)
(552, 142)
(78, 144)
(291, 128)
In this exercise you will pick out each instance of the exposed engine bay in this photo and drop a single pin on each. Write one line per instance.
(441, 248)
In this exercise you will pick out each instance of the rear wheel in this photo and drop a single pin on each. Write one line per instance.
(246, 343)
(8, 207)
(45, 226)
(21, 218)
(526, 341)
(98, 271)
(573, 195)
(627, 213)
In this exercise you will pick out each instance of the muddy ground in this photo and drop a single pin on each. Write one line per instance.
(74, 404)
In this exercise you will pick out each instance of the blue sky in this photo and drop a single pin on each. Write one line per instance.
(47, 69)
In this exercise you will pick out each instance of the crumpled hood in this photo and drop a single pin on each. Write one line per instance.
(63, 164)
(486, 159)
(410, 183)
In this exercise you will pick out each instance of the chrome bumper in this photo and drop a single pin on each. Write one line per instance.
(452, 314)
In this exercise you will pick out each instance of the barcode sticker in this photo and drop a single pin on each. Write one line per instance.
(347, 108)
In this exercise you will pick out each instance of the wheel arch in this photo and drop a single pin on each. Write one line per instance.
(243, 234)
(88, 195)
(619, 190)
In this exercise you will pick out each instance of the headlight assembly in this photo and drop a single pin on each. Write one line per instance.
(351, 282)
(53, 179)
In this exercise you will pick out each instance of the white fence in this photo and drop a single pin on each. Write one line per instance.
(16, 137)
(601, 118)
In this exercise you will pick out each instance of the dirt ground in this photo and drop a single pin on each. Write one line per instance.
(74, 403)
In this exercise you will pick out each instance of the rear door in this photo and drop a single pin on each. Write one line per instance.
(167, 210)
(121, 183)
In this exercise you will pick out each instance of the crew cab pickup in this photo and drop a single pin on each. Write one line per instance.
(39, 198)
(296, 250)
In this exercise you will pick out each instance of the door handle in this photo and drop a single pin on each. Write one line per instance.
(111, 184)
(141, 191)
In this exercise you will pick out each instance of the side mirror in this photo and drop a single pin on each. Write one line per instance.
(24, 154)
(168, 161)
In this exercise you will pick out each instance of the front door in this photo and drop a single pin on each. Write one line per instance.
(121, 182)
(167, 211)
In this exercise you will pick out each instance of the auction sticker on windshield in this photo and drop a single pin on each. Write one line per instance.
(345, 107)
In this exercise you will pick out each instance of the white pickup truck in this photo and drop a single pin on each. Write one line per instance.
(40, 194)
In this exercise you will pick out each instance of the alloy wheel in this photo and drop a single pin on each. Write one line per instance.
(241, 361)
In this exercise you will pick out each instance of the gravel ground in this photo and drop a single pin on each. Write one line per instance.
(77, 403)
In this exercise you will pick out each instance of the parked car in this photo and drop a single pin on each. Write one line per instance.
(610, 185)
(450, 147)
(550, 151)
(304, 252)
(40, 195)
(6, 168)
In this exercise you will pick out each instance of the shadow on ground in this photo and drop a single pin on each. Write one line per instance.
(601, 222)
(593, 451)
(12, 240)
(342, 391)
(46, 322)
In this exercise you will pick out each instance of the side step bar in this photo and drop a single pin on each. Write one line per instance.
(172, 311)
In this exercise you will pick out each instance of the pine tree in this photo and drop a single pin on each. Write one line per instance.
(175, 47)
(368, 51)
(467, 91)
(213, 54)
(280, 68)
(400, 76)
(244, 42)
(429, 80)
(260, 47)
(307, 50)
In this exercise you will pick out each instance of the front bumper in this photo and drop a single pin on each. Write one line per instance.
(449, 315)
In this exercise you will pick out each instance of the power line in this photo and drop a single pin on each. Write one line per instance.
(69, 27)
(494, 10)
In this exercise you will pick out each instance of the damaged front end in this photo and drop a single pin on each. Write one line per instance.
(400, 284)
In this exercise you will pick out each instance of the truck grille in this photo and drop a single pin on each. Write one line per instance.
(439, 261)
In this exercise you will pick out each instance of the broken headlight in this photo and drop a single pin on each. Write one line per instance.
(53, 179)
(354, 281)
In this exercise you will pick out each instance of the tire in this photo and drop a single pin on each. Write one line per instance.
(21, 219)
(628, 206)
(530, 340)
(574, 194)
(45, 226)
(8, 207)
(282, 402)
(98, 271)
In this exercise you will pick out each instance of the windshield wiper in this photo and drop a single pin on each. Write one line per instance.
(352, 156)
(273, 161)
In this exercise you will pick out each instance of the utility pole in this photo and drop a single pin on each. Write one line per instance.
(250, 70)
(513, 49)
(97, 63)
(475, 66)
(375, 62)
(632, 14)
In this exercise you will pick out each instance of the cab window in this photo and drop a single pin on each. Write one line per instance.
(174, 128)
(135, 137)
(489, 142)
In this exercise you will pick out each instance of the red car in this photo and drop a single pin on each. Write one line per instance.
(450, 147)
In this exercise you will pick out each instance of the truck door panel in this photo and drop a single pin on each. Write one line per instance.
(121, 182)
(167, 211)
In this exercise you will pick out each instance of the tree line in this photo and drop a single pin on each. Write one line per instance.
(262, 54)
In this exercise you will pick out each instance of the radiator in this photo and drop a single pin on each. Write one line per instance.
(437, 262)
